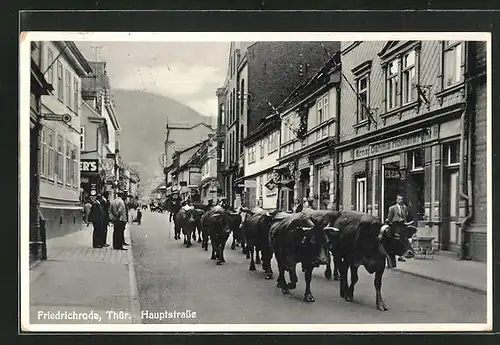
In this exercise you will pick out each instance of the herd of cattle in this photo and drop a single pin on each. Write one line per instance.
(310, 237)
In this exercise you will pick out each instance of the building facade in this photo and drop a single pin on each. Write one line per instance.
(261, 157)
(259, 75)
(186, 174)
(407, 110)
(309, 133)
(39, 86)
(60, 141)
(208, 160)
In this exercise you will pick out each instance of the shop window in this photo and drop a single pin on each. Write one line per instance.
(416, 159)
(324, 186)
(452, 153)
(361, 193)
(452, 63)
(363, 97)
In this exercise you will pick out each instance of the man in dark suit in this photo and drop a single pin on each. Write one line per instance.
(96, 217)
(103, 199)
(397, 217)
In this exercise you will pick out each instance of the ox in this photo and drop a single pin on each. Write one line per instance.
(216, 225)
(185, 221)
(364, 240)
(295, 238)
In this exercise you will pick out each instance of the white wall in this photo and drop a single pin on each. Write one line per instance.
(269, 160)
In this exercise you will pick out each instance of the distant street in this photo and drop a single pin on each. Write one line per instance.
(174, 278)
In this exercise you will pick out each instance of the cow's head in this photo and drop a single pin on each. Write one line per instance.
(396, 239)
(314, 241)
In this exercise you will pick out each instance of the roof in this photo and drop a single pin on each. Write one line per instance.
(79, 56)
(266, 126)
(183, 126)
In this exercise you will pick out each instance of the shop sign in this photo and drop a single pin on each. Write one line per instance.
(391, 173)
(396, 144)
(89, 165)
(250, 184)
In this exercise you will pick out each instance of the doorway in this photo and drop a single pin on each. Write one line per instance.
(391, 186)
(450, 232)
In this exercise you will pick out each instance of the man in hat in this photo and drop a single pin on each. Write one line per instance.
(96, 217)
(119, 217)
(103, 199)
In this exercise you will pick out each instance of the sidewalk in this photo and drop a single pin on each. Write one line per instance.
(470, 275)
(97, 284)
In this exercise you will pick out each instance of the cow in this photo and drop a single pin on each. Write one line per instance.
(256, 229)
(324, 218)
(216, 224)
(364, 240)
(185, 221)
(199, 211)
(296, 238)
(236, 227)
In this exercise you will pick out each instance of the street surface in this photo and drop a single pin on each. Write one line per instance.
(174, 278)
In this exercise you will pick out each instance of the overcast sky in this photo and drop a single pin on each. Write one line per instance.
(189, 72)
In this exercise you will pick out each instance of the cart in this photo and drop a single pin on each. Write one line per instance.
(422, 246)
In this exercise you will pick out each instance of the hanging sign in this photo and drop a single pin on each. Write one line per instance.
(89, 165)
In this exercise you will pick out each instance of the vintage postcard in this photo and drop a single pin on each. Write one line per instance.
(271, 182)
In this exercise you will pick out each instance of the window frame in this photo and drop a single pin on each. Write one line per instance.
(75, 170)
(59, 160)
(407, 70)
(447, 47)
(447, 153)
(362, 180)
(82, 138)
(68, 163)
(76, 98)
(51, 154)
(50, 66)
(43, 154)
(413, 167)
(360, 110)
(69, 95)
(388, 78)
(261, 149)
(60, 81)
(251, 154)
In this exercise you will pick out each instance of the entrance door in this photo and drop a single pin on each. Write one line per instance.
(391, 186)
(450, 211)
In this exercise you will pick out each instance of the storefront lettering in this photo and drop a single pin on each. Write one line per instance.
(393, 144)
(89, 165)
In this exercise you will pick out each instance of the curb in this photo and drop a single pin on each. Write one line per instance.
(447, 282)
(134, 295)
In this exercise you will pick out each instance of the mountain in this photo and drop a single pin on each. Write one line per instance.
(143, 117)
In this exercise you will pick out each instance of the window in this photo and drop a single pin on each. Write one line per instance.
(60, 160)
(60, 81)
(50, 71)
(76, 100)
(50, 154)
(452, 63)
(75, 171)
(417, 160)
(392, 84)
(322, 109)
(408, 78)
(69, 95)
(324, 186)
(261, 148)
(273, 142)
(251, 154)
(222, 111)
(452, 153)
(44, 153)
(69, 163)
(82, 138)
(222, 154)
(242, 96)
(363, 99)
(361, 191)
(242, 135)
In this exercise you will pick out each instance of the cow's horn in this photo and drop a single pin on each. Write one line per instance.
(331, 228)
(269, 214)
(306, 229)
(384, 229)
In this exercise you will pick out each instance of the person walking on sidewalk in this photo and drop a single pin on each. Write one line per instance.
(397, 217)
(96, 217)
(118, 215)
(127, 210)
(103, 199)
(86, 211)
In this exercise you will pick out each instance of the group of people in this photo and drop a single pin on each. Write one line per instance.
(101, 213)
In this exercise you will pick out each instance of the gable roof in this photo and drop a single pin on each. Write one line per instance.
(388, 46)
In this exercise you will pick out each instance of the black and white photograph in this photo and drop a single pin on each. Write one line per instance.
(270, 182)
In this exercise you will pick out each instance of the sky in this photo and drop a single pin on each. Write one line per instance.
(189, 72)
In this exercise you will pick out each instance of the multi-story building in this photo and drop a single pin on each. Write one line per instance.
(99, 133)
(413, 122)
(309, 132)
(259, 75)
(261, 157)
(39, 86)
(60, 141)
(208, 161)
(186, 174)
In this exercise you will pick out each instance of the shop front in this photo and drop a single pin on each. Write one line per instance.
(91, 183)
(422, 165)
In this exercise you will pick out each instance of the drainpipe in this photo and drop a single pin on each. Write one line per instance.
(466, 118)
(337, 160)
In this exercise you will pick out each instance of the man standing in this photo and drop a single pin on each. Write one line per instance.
(96, 217)
(397, 217)
(103, 199)
(118, 214)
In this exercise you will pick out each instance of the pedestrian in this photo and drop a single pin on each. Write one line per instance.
(103, 199)
(297, 207)
(86, 211)
(127, 210)
(118, 215)
(397, 217)
(96, 217)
